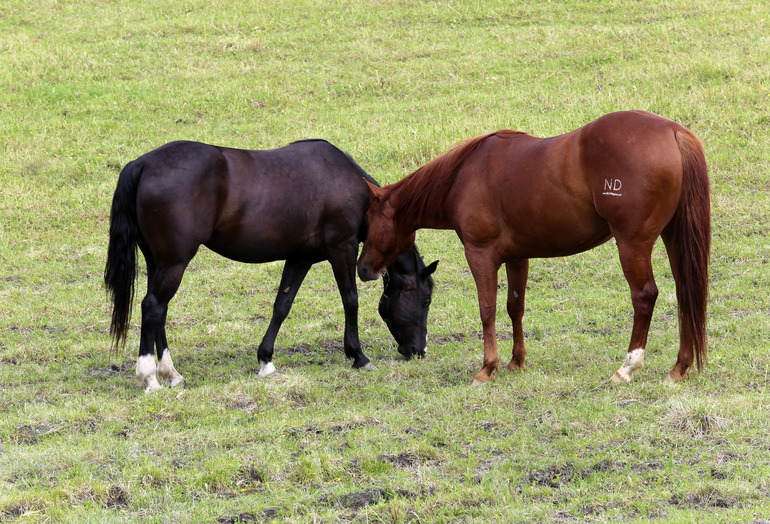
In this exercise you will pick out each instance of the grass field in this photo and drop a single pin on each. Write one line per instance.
(86, 87)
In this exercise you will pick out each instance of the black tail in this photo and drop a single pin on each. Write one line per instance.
(120, 269)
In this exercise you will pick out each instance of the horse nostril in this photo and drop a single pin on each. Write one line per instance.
(365, 273)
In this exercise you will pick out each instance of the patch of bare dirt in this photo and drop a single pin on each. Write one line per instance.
(329, 347)
(707, 499)
(407, 459)
(243, 518)
(553, 476)
(559, 474)
(357, 500)
(249, 478)
(339, 428)
(124, 369)
(462, 337)
(116, 497)
(30, 434)
(588, 511)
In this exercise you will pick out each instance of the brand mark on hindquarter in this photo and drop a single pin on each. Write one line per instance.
(612, 186)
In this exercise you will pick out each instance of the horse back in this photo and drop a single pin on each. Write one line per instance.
(253, 205)
(540, 197)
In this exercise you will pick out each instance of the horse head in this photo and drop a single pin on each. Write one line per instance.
(405, 302)
(384, 241)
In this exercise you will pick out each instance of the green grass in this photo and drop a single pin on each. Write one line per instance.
(86, 87)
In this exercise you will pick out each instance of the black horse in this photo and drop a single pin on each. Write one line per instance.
(303, 203)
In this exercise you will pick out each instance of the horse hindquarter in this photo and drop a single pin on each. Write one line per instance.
(640, 182)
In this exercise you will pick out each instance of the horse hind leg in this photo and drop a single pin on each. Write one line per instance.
(517, 272)
(166, 370)
(686, 355)
(163, 284)
(635, 258)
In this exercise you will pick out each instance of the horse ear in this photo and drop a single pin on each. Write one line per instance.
(430, 269)
(375, 193)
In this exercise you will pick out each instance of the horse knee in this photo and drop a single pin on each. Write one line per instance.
(515, 309)
(488, 314)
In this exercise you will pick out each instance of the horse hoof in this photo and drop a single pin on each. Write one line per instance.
(150, 384)
(152, 388)
(513, 366)
(620, 376)
(480, 379)
(634, 361)
(675, 377)
(369, 367)
(266, 369)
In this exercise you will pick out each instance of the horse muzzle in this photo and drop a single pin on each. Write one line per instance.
(408, 352)
(366, 273)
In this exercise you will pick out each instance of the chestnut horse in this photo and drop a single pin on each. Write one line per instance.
(302, 203)
(510, 197)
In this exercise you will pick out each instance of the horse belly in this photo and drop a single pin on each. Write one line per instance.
(542, 237)
(255, 242)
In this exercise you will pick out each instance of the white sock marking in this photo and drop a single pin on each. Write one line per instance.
(633, 362)
(145, 373)
(167, 371)
(266, 368)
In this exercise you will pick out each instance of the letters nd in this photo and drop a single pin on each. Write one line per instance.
(612, 186)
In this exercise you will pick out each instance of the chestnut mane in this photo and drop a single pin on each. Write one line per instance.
(424, 192)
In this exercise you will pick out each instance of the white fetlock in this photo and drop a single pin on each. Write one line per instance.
(633, 362)
(266, 369)
(167, 372)
(145, 373)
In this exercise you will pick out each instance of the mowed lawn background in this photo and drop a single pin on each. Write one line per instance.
(86, 87)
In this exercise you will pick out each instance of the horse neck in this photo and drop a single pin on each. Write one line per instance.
(420, 199)
(419, 204)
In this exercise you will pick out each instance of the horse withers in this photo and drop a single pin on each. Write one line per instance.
(630, 175)
(303, 203)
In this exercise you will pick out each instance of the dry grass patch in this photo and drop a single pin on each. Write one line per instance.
(699, 418)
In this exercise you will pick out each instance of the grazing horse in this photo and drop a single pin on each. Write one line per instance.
(303, 203)
(511, 197)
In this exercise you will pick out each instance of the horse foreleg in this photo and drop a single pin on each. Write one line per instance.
(344, 267)
(517, 271)
(484, 270)
(637, 267)
(291, 279)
